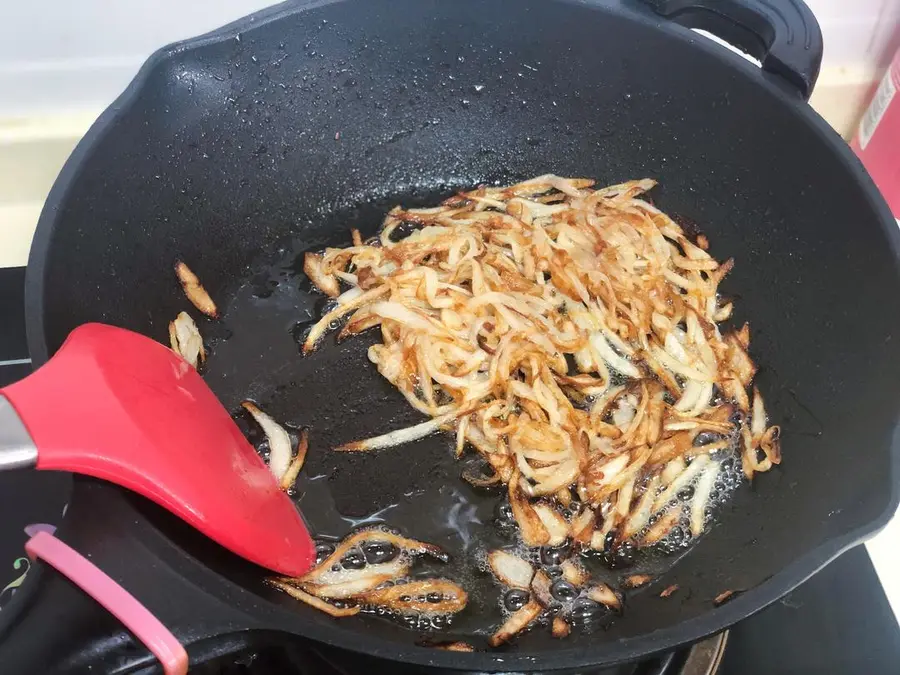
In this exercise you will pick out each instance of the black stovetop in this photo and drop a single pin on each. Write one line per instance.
(839, 622)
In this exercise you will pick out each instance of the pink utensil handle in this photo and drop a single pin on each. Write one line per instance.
(115, 599)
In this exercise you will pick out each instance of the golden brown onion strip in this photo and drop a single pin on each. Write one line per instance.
(412, 597)
(194, 290)
(517, 622)
(311, 600)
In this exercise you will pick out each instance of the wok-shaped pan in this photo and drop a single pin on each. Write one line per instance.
(240, 149)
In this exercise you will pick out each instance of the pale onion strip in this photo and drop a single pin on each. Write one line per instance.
(311, 600)
(623, 499)
(349, 295)
(682, 481)
(341, 590)
(605, 596)
(279, 440)
(672, 470)
(581, 526)
(510, 569)
(699, 502)
(290, 476)
(640, 515)
(678, 367)
(702, 403)
(400, 436)
(689, 396)
(186, 340)
(758, 419)
(532, 529)
(397, 567)
(318, 330)
(556, 525)
(613, 360)
(574, 573)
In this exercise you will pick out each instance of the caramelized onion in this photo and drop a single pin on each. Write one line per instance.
(320, 573)
(412, 597)
(311, 600)
(605, 596)
(668, 590)
(194, 290)
(510, 569)
(454, 647)
(559, 628)
(637, 580)
(290, 476)
(517, 622)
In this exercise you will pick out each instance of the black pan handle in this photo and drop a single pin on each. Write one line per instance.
(783, 34)
(55, 628)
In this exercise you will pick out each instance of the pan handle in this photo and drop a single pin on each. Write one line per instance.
(53, 626)
(782, 34)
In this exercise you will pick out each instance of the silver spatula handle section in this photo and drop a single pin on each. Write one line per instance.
(17, 450)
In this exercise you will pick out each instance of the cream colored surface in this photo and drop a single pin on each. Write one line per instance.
(32, 151)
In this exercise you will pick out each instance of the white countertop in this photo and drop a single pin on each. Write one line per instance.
(32, 150)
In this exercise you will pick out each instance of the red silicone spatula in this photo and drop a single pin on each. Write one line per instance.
(118, 406)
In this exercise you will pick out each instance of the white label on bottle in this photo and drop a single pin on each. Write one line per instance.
(883, 98)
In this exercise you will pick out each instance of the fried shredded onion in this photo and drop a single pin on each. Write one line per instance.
(375, 584)
(454, 647)
(668, 590)
(185, 339)
(637, 580)
(570, 336)
(510, 569)
(290, 476)
(278, 438)
(517, 622)
(194, 290)
(311, 600)
(413, 597)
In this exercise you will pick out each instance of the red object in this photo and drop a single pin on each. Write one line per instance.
(877, 143)
(117, 601)
(118, 406)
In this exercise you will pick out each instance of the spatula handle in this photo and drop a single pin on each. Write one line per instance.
(17, 450)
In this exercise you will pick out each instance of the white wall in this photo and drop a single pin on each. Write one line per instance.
(82, 53)
(70, 54)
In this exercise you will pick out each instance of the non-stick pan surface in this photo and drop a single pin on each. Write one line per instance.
(240, 150)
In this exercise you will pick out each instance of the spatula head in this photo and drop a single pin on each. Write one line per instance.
(118, 406)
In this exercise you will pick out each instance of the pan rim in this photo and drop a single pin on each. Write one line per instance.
(606, 653)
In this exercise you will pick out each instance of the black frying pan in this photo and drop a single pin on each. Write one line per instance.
(240, 149)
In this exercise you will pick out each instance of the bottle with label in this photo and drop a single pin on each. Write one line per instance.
(877, 141)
